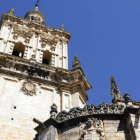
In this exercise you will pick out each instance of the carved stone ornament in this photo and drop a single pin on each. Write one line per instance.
(27, 40)
(92, 129)
(15, 36)
(43, 45)
(29, 88)
(89, 110)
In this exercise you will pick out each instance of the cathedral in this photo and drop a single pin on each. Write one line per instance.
(41, 99)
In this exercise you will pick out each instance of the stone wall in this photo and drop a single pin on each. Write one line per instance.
(111, 130)
(114, 129)
(18, 107)
(135, 126)
(17, 110)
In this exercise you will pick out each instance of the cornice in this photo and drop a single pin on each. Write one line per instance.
(37, 27)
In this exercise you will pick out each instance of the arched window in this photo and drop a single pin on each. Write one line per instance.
(18, 50)
(46, 57)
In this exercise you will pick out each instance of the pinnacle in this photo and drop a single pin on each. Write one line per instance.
(115, 90)
(75, 57)
(12, 11)
(62, 27)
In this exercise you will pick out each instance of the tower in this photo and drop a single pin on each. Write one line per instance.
(34, 74)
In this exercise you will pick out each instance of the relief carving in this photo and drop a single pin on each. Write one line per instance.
(92, 129)
(48, 41)
(29, 88)
(25, 34)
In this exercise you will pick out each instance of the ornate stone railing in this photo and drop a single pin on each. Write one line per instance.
(89, 110)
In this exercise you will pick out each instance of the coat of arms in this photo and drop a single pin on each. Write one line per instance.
(29, 88)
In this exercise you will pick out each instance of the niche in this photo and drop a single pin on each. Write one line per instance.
(18, 50)
(46, 57)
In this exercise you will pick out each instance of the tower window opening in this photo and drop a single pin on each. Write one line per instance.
(45, 61)
(32, 18)
(46, 57)
(18, 50)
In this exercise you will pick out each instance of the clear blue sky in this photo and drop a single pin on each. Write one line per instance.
(105, 36)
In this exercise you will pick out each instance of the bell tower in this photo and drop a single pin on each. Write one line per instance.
(34, 73)
(30, 38)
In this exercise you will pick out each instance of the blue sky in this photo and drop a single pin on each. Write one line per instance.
(105, 36)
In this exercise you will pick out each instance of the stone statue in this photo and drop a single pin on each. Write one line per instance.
(92, 129)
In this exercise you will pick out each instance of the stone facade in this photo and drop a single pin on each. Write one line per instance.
(34, 74)
(41, 99)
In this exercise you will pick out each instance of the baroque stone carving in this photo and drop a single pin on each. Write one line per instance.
(29, 88)
(92, 129)
(47, 41)
(89, 110)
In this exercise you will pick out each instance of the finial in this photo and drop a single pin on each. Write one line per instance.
(128, 100)
(62, 27)
(37, 5)
(75, 57)
(76, 62)
(12, 11)
(53, 111)
(115, 90)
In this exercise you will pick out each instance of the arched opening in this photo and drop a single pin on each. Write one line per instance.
(46, 57)
(18, 50)
(32, 18)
